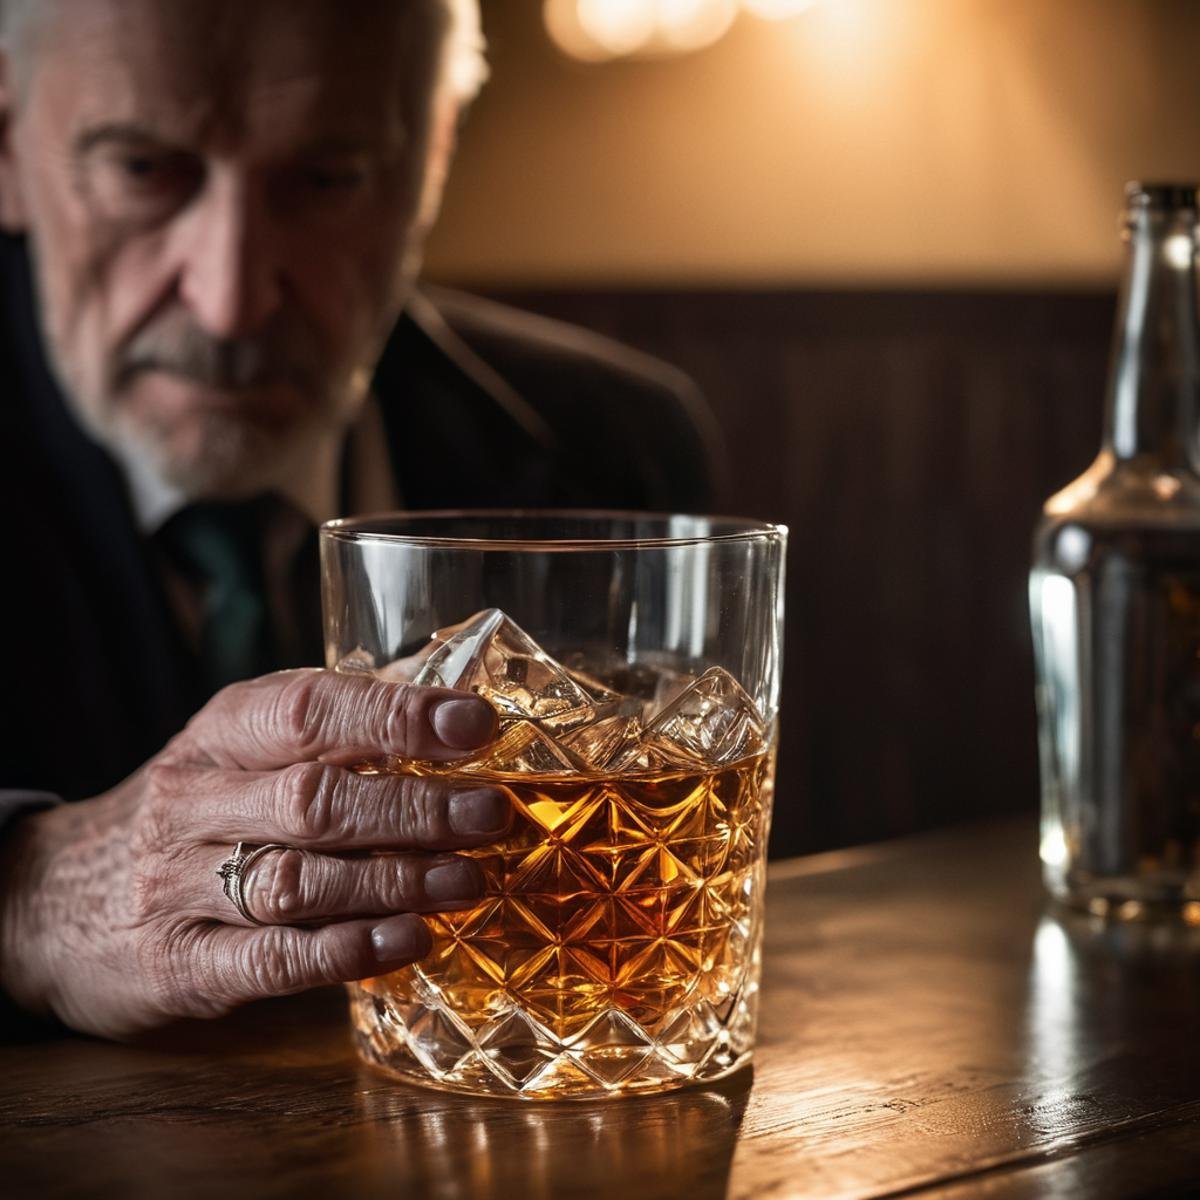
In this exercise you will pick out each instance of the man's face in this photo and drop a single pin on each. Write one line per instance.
(225, 203)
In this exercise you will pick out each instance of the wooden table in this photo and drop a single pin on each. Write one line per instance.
(928, 1029)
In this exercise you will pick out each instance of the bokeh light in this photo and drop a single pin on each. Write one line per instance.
(598, 30)
(618, 26)
(777, 10)
(685, 25)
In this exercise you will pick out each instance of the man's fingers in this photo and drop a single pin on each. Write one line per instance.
(298, 887)
(325, 807)
(251, 964)
(311, 716)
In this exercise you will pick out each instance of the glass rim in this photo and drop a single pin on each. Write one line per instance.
(357, 529)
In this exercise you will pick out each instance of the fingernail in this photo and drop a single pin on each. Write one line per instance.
(479, 812)
(400, 940)
(458, 879)
(464, 724)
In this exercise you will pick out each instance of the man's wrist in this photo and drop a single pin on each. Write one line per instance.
(18, 1019)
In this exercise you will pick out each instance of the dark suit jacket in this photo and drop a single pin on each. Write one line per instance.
(484, 407)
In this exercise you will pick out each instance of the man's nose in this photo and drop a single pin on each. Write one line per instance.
(230, 273)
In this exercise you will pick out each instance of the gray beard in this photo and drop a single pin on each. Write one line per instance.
(236, 457)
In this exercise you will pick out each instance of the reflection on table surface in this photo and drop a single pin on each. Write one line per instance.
(678, 1144)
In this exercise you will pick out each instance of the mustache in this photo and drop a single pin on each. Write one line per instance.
(282, 353)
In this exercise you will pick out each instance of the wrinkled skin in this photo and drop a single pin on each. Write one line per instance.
(113, 918)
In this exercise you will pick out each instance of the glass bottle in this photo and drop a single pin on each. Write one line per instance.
(1115, 601)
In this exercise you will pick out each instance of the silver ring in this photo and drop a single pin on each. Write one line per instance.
(233, 875)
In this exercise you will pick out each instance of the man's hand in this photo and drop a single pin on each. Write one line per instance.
(112, 915)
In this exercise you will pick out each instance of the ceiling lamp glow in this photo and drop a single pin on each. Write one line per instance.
(568, 33)
(618, 26)
(685, 25)
(596, 30)
(777, 10)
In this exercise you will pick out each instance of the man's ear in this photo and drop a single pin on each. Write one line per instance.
(12, 201)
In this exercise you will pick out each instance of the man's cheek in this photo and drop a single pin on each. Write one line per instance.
(343, 297)
(85, 340)
(135, 278)
(74, 269)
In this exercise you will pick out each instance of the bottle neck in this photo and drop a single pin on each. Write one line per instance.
(1154, 378)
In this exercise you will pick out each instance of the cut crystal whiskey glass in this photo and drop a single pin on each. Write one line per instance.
(617, 947)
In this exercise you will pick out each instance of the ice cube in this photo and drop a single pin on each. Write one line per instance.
(493, 656)
(602, 742)
(406, 669)
(524, 749)
(628, 680)
(358, 662)
(667, 686)
(711, 723)
(599, 692)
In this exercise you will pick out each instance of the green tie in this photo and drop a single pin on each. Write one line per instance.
(222, 546)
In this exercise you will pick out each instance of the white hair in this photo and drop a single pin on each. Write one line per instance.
(466, 59)
(467, 68)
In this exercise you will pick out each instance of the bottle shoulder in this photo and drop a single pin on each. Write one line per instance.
(1121, 512)
(1138, 492)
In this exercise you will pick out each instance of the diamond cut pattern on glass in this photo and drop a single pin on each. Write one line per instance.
(616, 947)
(613, 914)
(612, 953)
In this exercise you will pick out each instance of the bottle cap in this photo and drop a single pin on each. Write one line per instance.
(1163, 197)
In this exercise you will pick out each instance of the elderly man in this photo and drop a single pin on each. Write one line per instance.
(214, 214)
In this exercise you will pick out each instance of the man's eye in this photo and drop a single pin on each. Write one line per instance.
(140, 167)
(140, 184)
(335, 179)
(155, 171)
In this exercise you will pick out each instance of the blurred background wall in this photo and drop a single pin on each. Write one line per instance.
(881, 235)
(861, 142)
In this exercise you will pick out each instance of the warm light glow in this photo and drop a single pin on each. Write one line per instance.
(597, 30)
(1177, 250)
(619, 26)
(603, 34)
(777, 10)
(693, 24)
(717, 168)
(1166, 487)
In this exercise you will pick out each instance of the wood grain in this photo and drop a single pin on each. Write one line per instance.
(928, 1029)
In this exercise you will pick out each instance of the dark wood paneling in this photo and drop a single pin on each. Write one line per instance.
(908, 440)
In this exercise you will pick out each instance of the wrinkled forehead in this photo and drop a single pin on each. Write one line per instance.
(227, 72)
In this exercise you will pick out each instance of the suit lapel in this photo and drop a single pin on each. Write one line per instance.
(459, 435)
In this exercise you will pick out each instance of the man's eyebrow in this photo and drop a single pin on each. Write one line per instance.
(113, 131)
(335, 144)
(127, 132)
